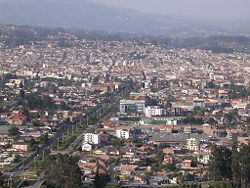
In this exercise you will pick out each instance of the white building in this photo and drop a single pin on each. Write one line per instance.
(193, 144)
(154, 111)
(86, 146)
(171, 121)
(91, 138)
(123, 133)
(187, 129)
(204, 158)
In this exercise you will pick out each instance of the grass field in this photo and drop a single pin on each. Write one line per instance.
(4, 104)
(4, 129)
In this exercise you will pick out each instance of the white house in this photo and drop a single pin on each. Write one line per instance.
(87, 146)
(123, 133)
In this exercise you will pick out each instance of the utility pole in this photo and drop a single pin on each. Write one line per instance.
(58, 144)
(67, 132)
(10, 181)
(43, 154)
(87, 121)
(34, 162)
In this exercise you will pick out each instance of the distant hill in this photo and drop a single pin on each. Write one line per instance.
(12, 36)
(83, 14)
(218, 44)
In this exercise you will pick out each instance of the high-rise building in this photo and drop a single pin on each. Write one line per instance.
(91, 138)
(193, 144)
(123, 133)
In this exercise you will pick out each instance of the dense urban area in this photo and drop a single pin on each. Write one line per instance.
(85, 112)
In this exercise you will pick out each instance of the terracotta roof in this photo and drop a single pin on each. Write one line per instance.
(20, 116)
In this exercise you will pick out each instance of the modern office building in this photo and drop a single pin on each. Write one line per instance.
(132, 107)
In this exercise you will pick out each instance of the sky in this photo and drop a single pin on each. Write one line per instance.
(199, 9)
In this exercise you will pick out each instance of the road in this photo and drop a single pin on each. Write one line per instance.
(79, 139)
(37, 184)
(24, 167)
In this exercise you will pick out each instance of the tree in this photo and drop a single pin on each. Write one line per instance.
(62, 172)
(199, 111)
(189, 177)
(235, 166)
(14, 131)
(101, 179)
(221, 184)
(231, 165)
(22, 94)
(33, 144)
(210, 85)
(193, 120)
(1, 180)
(153, 80)
(244, 165)
(43, 139)
(220, 164)
(25, 111)
(170, 167)
(96, 79)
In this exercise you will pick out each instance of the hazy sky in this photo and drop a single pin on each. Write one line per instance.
(209, 9)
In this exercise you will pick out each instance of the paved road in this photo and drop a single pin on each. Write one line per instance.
(24, 167)
(37, 184)
(79, 139)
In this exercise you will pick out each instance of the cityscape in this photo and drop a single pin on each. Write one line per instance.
(101, 109)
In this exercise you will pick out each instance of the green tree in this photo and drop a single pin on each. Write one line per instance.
(62, 172)
(236, 166)
(170, 167)
(244, 165)
(221, 184)
(153, 80)
(1, 180)
(22, 94)
(43, 139)
(25, 111)
(199, 111)
(101, 180)
(193, 120)
(96, 79)
(14, 131)
(220, 164)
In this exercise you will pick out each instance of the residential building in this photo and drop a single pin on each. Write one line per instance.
(154, 111)
(91, 138)
(192, 144)
(123, 133)
(22, 146)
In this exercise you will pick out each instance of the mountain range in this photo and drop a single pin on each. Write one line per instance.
(87, 15)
